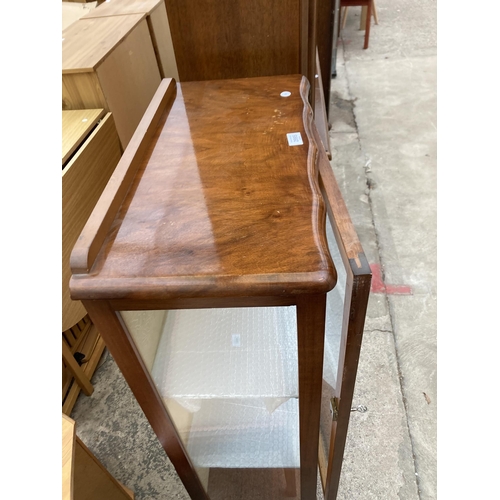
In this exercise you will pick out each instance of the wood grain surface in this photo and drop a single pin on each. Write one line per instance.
(221, 204)
(129, 78)
(311, 340)
(82, 91)
(162, 42)
(345, 231)
(92, 481)
(158, 25)
(90, 240)
(87, 42)
(68, 456)
(83, 180)
(76, 125)
(235, 38)
(121, 7)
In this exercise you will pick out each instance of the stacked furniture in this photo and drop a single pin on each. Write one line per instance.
(159, 29)
(90, 152)
(110, 63)
(83, 475)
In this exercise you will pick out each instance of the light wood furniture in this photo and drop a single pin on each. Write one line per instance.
(76, 126)
(83, 476)
(362, 19)
(367, 11)
(217, 215)
(159, 29)
(81, 340)
(72, 11)
(110, 63)
(90, 152)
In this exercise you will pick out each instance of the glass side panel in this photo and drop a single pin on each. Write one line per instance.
(334, 312)
(229, 380)
(335, 319)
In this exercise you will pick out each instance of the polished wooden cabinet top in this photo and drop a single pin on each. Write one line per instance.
(225, 200)
(86, 42)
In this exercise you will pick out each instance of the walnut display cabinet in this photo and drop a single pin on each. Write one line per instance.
(224, 274)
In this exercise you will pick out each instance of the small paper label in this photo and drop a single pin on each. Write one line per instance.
(294, 139)
(235, 340)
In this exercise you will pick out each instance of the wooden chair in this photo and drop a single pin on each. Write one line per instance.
(371, 10)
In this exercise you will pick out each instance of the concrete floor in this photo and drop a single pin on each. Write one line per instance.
(383, 136)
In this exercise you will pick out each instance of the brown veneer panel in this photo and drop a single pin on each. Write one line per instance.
(253, 484)
(235, 38)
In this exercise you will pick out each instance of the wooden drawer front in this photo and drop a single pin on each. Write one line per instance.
(76, 126)
(83, 180)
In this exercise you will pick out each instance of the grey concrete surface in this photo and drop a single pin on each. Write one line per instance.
(383, 138)
(387, 150)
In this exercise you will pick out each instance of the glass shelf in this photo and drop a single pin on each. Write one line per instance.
(244, 433)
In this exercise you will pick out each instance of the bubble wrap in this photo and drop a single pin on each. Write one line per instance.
(242, 433)
(145, 327)
(228, 353)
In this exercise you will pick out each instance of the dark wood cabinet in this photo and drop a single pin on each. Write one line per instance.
(228, 39)
(226, 278)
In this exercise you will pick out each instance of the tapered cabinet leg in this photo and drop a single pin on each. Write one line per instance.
(311, 336)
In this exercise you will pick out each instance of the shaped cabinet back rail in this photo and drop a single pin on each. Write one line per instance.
(208, 270)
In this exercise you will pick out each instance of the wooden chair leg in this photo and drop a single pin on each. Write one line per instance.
(344, 17)
(362, 18)
(81, 379)
(368, 23)
(374, 12)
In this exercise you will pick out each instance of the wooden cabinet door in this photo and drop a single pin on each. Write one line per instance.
(345, 317)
